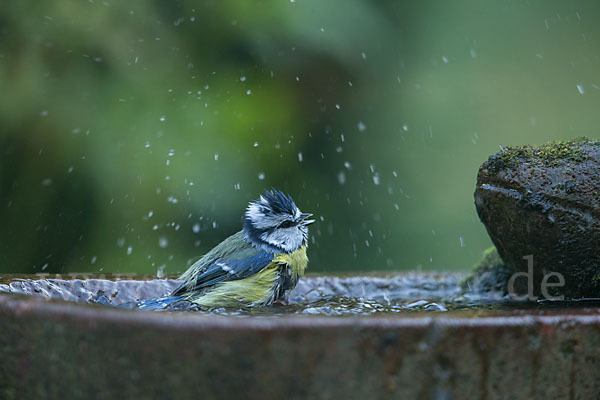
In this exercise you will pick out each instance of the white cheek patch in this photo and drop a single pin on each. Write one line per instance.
(287, 239)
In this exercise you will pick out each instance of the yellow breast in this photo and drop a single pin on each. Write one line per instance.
(296, 261)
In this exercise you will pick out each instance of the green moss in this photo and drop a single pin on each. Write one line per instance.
(490, 274)
(549, 155)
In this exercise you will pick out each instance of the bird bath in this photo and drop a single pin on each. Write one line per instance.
(413, 335)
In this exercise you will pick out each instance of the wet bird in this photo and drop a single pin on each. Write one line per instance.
(254, 267)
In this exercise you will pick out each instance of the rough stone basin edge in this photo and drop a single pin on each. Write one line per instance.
(57, 349)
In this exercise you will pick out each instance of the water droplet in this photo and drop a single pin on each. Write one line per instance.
(120, 242)
(342, 177)
(580, 88)
(129, 250)
(242, 78)
(163, 242)
(216, 156)
(255, 144)
(361, 126)
(147, 145)
(248, 91)
(150, 213)
(347, 164)
(376, 179)
(162, 118)
(47, 182)
(196, 228)
(300, 157)
(261, 175)
(237, 186)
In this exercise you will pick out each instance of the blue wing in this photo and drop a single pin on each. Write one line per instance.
(223, 269)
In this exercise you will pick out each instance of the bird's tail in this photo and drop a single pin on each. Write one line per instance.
(160, 303)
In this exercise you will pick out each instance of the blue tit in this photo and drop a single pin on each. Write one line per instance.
(254, 267)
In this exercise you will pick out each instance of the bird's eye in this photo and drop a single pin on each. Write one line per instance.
(286, 224)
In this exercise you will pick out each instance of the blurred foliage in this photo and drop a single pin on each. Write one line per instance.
(133, 134)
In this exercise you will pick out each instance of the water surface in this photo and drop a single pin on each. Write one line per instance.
(367, 294)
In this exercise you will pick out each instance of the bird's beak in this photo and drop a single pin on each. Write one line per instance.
(306, 221)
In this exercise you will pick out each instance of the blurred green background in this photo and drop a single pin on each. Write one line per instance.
(133, 134)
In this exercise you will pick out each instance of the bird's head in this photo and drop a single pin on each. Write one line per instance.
(275, 223)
